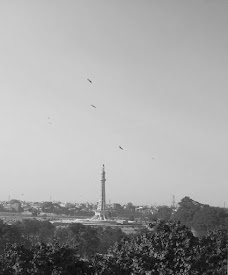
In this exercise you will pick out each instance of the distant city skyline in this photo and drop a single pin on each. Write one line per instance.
(82, 79)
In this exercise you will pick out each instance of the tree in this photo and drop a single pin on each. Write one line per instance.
(129, 206)
(108, 237)
(10, 234)
(208, 218)
(211, 253)
(43, 259)
(83, 238)
(37, 231)
(169, 249)
(186, 211)
(46, 231)
(163, 213)
(13, 201)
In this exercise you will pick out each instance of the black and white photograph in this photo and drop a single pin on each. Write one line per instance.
(114, 137)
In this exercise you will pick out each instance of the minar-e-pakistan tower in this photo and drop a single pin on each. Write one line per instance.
(101, 213)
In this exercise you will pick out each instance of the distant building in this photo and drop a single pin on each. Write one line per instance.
(16, 206)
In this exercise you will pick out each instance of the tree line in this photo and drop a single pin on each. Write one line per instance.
(88, 240)
(166, 248)
(199, 217)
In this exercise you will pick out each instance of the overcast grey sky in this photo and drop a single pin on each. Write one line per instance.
(159, 72)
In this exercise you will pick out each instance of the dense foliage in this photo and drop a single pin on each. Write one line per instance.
(34, 247)
(201, 217)
(42, 259)
(88, 240)
(169, 249)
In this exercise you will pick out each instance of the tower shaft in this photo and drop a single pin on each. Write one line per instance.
(102, 198)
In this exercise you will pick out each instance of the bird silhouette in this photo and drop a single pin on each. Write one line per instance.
(49, 120)
(120, 147)
(93, 106)
(89, 80)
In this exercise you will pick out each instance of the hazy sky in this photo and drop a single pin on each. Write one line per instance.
(159, 72)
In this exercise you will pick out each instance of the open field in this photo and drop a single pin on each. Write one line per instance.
(9, 217)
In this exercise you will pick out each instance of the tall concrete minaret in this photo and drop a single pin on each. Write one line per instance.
(101, 213)
(102, 198)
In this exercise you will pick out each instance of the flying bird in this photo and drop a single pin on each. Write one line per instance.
(120, 147)
(89, 80)
(49, 120)
(93, 106)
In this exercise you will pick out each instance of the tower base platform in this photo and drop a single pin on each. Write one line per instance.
(100, 215)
